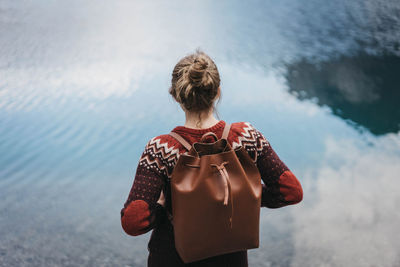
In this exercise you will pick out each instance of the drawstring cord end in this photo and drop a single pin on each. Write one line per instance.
(221, 168)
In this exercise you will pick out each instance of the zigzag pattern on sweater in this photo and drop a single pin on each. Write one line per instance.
(252, 140)
(162, 152)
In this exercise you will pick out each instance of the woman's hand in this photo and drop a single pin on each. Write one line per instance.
(161, 200)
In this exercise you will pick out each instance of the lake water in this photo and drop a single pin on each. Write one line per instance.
(83, 87)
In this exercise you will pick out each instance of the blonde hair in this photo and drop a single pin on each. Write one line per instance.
(195, 82)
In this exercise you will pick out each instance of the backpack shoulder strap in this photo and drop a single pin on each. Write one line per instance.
(226, 131)
(181, 140)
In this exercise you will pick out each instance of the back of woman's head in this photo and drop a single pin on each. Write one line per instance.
(195, 82)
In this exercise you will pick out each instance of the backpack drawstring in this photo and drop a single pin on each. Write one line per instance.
(227, 186)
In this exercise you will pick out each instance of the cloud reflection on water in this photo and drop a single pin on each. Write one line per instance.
(84, 85)
(350, 217)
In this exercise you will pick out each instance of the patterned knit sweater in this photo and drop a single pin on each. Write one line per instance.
(141, 212)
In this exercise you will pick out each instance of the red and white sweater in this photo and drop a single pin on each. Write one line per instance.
(141, 212)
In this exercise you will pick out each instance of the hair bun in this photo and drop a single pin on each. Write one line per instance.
(195, 82)
(200, 63)
(197, 71)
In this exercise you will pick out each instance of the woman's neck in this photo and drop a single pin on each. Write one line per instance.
(207, 120)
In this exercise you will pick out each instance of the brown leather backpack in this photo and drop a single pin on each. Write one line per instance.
(216, 199)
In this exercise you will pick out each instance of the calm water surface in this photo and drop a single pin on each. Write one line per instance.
(83, 87)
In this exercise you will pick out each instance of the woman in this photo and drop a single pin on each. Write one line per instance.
(196, 87)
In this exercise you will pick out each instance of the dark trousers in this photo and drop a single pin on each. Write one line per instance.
(163, 259)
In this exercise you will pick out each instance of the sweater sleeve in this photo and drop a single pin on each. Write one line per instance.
(281, 187)
(141, 212)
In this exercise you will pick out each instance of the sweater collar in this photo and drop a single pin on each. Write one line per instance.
(183, 129)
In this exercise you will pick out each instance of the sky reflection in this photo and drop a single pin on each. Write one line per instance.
(83, 87)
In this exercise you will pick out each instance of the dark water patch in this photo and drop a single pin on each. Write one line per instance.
(363, 88)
